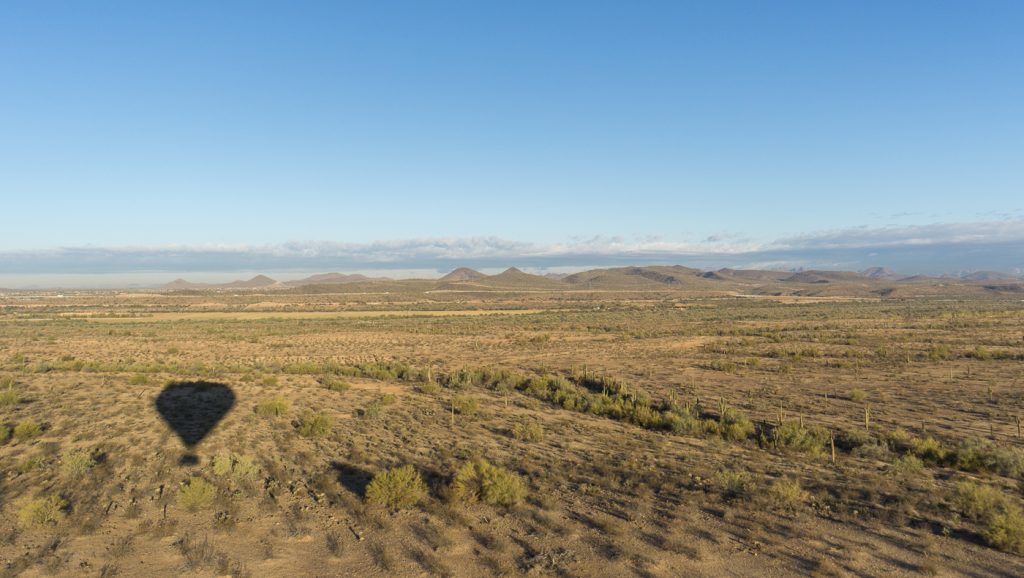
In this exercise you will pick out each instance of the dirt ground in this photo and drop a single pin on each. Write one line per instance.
(607, 494)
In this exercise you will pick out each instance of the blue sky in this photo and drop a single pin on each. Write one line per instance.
(714, 126)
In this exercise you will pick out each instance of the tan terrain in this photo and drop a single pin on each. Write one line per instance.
(654, 424)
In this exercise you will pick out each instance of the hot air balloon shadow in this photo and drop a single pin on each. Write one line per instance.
(192, 409)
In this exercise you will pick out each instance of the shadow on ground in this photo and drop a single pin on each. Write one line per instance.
(193, 408)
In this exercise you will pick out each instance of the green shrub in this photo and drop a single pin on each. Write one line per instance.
(733, 426)
(908, 467)
(222, 463)
(238, 468)
(858, 395)
(1001, 517)
(898, 440)
(733, 484)
(196, 494)
(27, 429)
(481, 481)
(929, 449)
(683, 423)
(334, 384)
(273, 407)
(978, 501)
(138, 379)
(529, 432)
(315, 425)
(1005, 530)
(245, 469)
(269, 381)
(794, 437)
(978, 455)
(787, 494)
(75, 464)
(43, 511)
(396, 489)
(5, 433)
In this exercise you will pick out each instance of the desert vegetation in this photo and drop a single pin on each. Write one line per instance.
(648, 433)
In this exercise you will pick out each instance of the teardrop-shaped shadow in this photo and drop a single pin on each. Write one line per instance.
(193, 408)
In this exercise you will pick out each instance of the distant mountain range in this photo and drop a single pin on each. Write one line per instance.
(264, 282)
(876, 281)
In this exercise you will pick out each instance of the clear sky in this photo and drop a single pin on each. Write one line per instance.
(198, 124)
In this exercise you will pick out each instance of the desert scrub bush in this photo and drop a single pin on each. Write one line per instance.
(1005, 530)
(27, 429)
(858, 395)
(787, 494)
(978, 455)
(273, 407)
(850, 440)
(682, 423)
(372, 410)
(734, 426)
(76, 463)
(897, 440)
(238, 468)
(929, 449)
(139, 379)
(222, 463)
(269, 381)
(529, 432)
(940, 353)
(723, 366)
(43, 511)
(5, 433)
(245, 469)
(979, 353)
(8, 396)
(978, 501)
(196, 494)
(908, 468)
(333, 383)
(314, 424)
(396, 489)
(429, 388)
(482, 481)
(794, 437)
(1001, 517)
(465, 405)
(733, 484)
